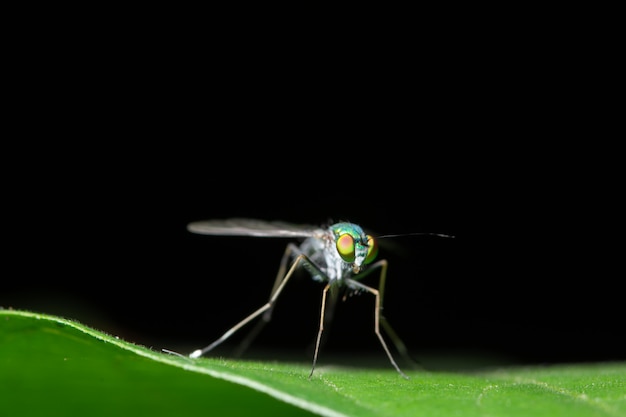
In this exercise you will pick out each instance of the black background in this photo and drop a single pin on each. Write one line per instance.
(112, 161)
(106, 244)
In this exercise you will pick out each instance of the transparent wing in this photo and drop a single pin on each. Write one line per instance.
(252, 227)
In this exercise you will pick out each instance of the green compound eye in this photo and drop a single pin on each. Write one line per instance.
(372, 250)
(345, 247)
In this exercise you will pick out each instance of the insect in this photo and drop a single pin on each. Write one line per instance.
(340, 255)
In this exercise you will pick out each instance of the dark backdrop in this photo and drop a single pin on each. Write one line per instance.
(100, 237)
(110, 154)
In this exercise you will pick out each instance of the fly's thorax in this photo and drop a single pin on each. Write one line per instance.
(335, 268)
(314, 248)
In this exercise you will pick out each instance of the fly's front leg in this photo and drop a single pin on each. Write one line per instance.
(377, 308)
(395, 339)
(320, 330)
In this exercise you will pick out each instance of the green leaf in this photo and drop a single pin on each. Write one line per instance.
(50, 366)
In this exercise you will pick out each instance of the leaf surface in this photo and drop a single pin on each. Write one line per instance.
(53, 366)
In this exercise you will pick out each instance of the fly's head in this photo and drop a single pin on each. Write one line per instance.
(353, 245)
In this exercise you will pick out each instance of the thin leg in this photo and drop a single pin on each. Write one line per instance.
(266, 307)
(321, 329)
(267, 316)
(199, 352)
(398, 343)
(395, 339)
(247, 341)
(329, 313)
(377, 307)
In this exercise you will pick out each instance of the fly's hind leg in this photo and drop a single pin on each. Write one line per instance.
(267, 315)
(281, 280)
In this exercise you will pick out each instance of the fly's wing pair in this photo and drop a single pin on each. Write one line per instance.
(252, 227)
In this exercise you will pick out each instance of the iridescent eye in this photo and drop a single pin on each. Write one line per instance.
(345, 247)
(372, 249)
